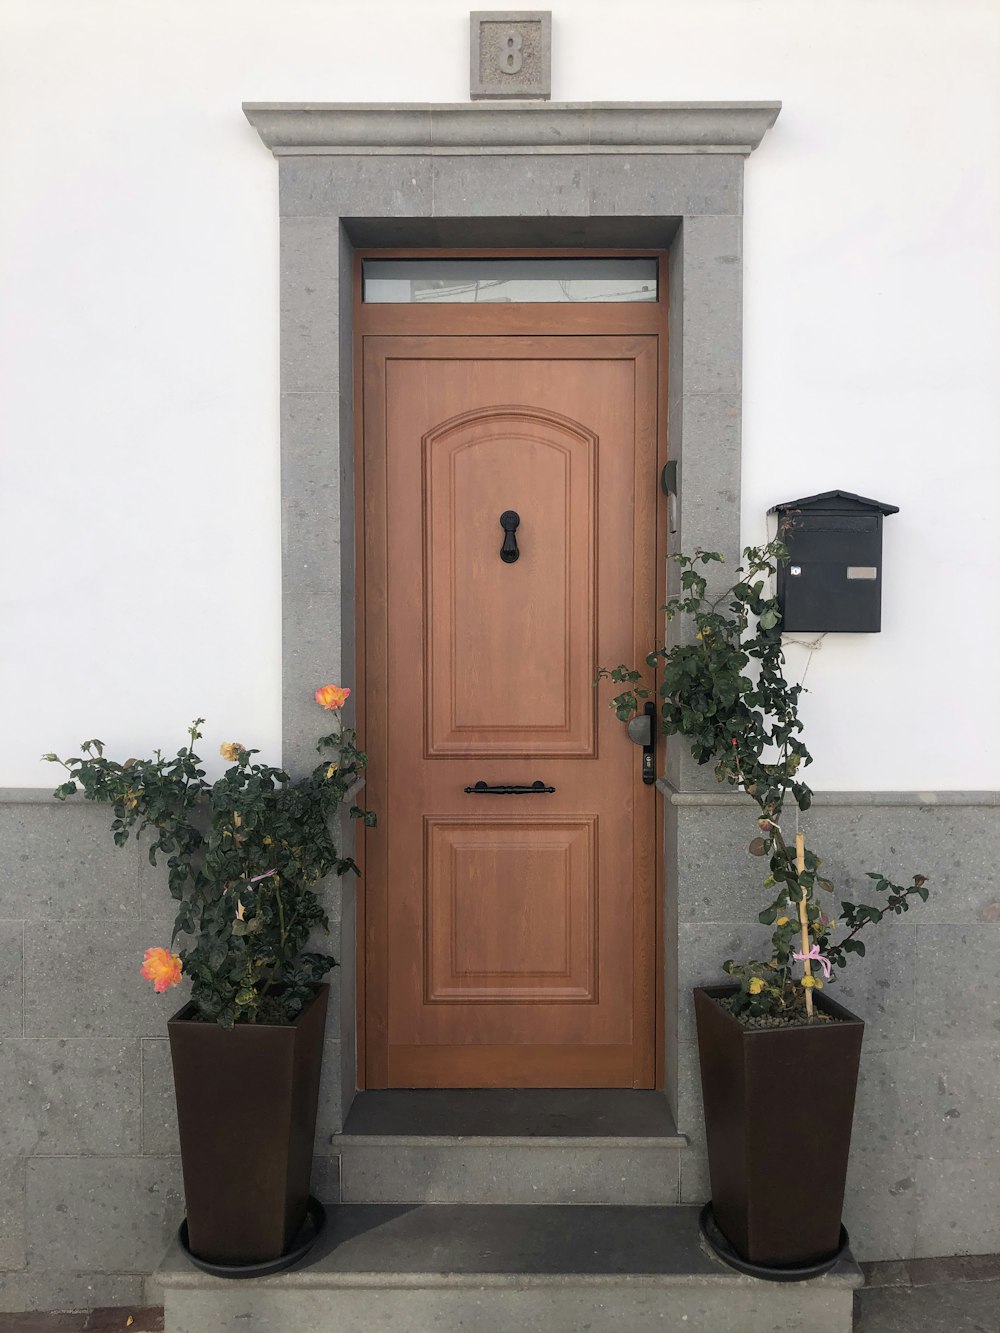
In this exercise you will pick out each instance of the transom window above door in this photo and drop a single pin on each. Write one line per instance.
(500, 281)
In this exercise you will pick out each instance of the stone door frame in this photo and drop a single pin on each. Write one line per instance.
(663, 175)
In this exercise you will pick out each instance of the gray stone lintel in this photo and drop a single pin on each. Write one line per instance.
(308, 128)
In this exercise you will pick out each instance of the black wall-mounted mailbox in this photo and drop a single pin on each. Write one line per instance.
(833, 578)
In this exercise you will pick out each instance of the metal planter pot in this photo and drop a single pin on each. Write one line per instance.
(779, 1103)
(246, 1111)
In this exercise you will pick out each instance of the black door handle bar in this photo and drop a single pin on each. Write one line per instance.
(509, 789)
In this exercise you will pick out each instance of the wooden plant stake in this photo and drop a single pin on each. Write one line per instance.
(800, 865)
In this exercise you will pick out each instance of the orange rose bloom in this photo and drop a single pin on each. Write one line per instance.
(162, 968)
(332, 696)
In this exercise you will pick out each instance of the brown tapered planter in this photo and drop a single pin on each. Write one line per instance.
(246, 1111)
(779, 1103)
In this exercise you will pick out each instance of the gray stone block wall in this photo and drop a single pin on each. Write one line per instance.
(90, 1180)
(90, 1187)
(925, 1163)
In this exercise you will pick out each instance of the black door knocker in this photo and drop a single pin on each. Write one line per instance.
(509, 521)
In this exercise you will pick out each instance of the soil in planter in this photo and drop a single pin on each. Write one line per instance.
(795, 1017)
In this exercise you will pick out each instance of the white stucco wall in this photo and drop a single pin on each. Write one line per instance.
(139, 516)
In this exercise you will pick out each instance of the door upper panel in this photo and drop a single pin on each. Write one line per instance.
(485, 694)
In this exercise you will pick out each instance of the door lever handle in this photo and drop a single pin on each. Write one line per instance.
(536, 788)
(642, 731)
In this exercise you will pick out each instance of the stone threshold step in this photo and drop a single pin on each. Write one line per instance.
(505, 1115)
(454, 1269)
(510, 1147)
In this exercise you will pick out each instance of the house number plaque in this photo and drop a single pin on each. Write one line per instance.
(511, 53)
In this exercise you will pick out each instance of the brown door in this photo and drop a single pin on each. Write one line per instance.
(510, 936)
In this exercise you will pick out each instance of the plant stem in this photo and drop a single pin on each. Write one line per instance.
(281, 919)
(800, 865)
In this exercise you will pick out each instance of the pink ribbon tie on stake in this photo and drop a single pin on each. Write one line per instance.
(814, 953)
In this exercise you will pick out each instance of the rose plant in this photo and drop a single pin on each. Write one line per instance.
(723, 688)
(244, 855)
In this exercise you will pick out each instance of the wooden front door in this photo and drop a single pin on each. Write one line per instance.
(510, 937)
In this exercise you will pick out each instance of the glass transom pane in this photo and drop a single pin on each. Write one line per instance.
(492, 281)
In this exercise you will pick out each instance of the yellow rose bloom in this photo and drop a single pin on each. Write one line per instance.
(809, 982)
(756, 986)
(781, 921)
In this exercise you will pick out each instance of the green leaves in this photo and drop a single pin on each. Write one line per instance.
(722, 687)
(243, 857)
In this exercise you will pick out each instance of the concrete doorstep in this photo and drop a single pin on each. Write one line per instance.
(455, 1268)
(945, 1295)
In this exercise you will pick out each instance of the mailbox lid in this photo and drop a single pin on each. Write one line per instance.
(835, 502)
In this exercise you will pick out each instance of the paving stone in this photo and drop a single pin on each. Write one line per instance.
(310, 311)
(503, 1269)
(958, 1211)
(711, 428)
(954, 1268)
(11, 978)
(69, 1096)
(354, 187)
(61, 862)
(513, 1112)
(159, 1107)
(48, 1321)
(311, 625)
(330, 1114)
(888, 1098)
(956, 1091)
(311, 518)
(702, 949)
(46, 1289)
(114, 1319)
(690, 1109)
(712, 351)
(12, 1242)
(948, 844)
(102, 1214)
(696, 1187)
(325, 1184)
(950, 960)
(507, 1173)
(880, 987)
(553, 186)
(886, 1273)
(958, 1307)
(881, 1204)
(664, 185)
(100, 991)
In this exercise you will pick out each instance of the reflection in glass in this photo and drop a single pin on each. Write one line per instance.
(493, 281)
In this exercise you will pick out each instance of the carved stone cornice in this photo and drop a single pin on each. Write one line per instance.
(316, 128)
